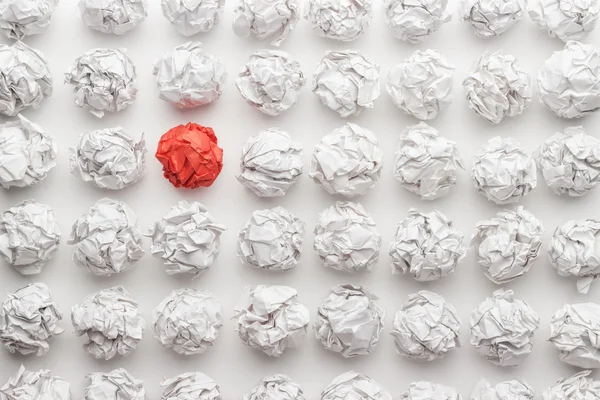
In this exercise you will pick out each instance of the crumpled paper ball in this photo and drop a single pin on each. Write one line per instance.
(507, 245)
(347, 82)
(570, 162)
(491, 18)
(270, 318)
(343, 20)
(426, 327)
(20, 18)
(574, 331)
(271, 240)
(423, 390)
(572, 251)
(414, 21)
(190, 156)
(425, 162)
(111, 322)
(271, 163)
(117, 384)
(188, 77)
(275, 387)
(502, 329)
(273, 19)
(507, 390)
(27, 385)
(347, 161)
(192, 17)
(29, 319)
(426, 246)
(188, 321)
(421, 85)
(578, 386)
(498, 87)
(565, 19)
(346, 238)
(190, 385)
(569, 81)
(349, 322)
(107, 239)
(270, 81)
(109, 158)
(355, 386)
(29, 236)
(503, 172)
(113, 16)
(187, 238)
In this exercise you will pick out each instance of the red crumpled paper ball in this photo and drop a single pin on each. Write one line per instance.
(190, 156)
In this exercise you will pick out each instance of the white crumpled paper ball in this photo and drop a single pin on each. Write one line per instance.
(109, 158)
(271, 163)
(423, 390)
(117, 384)
(187, 238)
(273, 19)
(498, 87)
(29, 236)
(343, 20)
(192, 17)
(188, 77)
(426, 327)
(421, 85)
(577, 387)
(270, 318)
(503, 172)
(426, 163)
(29, 319)
(491, 18)
(103, 81)
(565, 19)
(574, 331)
(426, 246)
(414, 21)
(347, 82)
(275, 387)
(271, 240)
(347, 161)
(113, 16)
(107, 239)
(508, 244)
(111, 322)
(188, 321)
(569, 81)
(28, 385)
(507, 390)
(190, 385)
(502, 329)
(20, 18)
(355, 386)
(349, 322)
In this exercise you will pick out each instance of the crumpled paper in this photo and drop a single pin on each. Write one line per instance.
(570, 162)
(29, 236)
(117, 384)
(271, 163)
(113, 16)
(111, 322)
(187, 238)
(347, 161)
(572, 251)
(190, 385)
(192, 17)
(578, 386)
(270, 318)
(188, 321)
(109, 158)
(107, 239)
(343, 20)
(414, 21)
(508, 244)
(20, 18)
(427, 246)
(421, 85)
(273, 19)
(355, 386)
(423, 390)
(346, 238)
(426, 327)
(349, 322)
(188, 77)
(27, 385)
(29, 319)
(275, 387)
(503, 172)
(425, 162)
(507, 390)
(498, 87)
(270, 81)
(565, 19)
(574, 331)
(347, 82)
(502, 329)
(569, 81)
(271, 240)
(103, 81)
(491, 18)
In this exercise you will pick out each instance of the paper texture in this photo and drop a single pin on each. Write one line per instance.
(343, 20)
(190, 385)
(565, 19)
(190, 17)
(27, 385)
(507, 390)
(578, 386)
(355, 386)
(113, 16)
(274, 19)
(491, 18)
(275, 387)
(414, 20)
(117, 384)
(20, 18)
(423, 390)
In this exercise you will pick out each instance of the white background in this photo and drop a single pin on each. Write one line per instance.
(234, 366)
